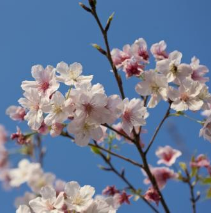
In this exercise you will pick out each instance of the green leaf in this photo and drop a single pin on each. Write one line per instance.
(194, 171)
(183, 166)
(208, 194)
(95, 150)
(206, 180)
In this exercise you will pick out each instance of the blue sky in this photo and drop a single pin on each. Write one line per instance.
(50, 31)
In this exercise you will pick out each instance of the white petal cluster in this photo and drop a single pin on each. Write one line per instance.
(73, 198)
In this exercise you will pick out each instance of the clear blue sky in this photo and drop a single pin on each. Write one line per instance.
(47, 32)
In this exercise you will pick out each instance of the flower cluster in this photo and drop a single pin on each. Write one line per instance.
(83, 109)
(73, 198)
(182, 85)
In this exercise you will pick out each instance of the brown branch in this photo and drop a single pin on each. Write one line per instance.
(116, 155)
(157, 130)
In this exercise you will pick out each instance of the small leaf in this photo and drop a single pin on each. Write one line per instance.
(183, 166)
(208, 194)
(206, 180)
(95, 150)
(96, 46)
(194, 172)
(109, 22)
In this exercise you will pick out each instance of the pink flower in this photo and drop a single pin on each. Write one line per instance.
(44, 129)
(3, 157)
(3, 134)
(56, 129)
(110, 191)
(16, 113)
(201, 161)
(198, 71)
(45, 81)
(139, 50)
(162, 175)
(122, 198)
(158, 51)
(119, 56)
(132, 68)
(20, 137)
(167, 155)
(152, 195)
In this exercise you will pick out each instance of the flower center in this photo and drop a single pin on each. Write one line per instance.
(77, 200)
(127, 115)
(57, 109)
(184, 97)
(44, 86)
(173, 68)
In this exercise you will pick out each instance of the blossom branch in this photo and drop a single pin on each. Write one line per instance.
(122, 176)
(108, 53)
(157, 130)
(116, 155)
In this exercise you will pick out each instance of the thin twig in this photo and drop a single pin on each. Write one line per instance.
(116, 155)
(157, 130)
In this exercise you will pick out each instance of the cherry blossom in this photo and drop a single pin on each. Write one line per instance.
(154, 84)
(23, 209)
(56, 129)
(3, 134)
(134, 114)
(84, 130)
(23, 173)
(198, 71)
(48, 202)
(167, 155)
(158, 50)
(110, 190)
(34, 104)
(205, 132)
(25, 199)
(16, 113)
(20, 137)
(71, 74)
(152, 195)
(78, 198)
(57, 109)
(162, 175)
(122, 197)
(173, 69)
(139, 50)
(186, 97)
(45, 84)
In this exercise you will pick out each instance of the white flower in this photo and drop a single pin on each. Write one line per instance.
(71, 75)
(154, 84)
(139, 50)
(198, 71)
(173, 69)
(57, 109)
(78, 198)
(205, 96)
(3, 135)
(158, 50)
(45, 83)
(39, 179)
(23, 209)
(16, 113)
(186, 97)
(84, 130)
(134, 114)
(167, 155)
(24, 200)
(205, 132)
(34, 103)
(91, 102)
(23, 173)
(48, 202)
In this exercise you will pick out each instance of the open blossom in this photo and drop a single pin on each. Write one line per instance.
(134, 114)
(173, 69)
(152, 195)
(34, 104)
(110, 190)
(200, 162)
(84, 130)
(139, 50)
(48, 202)
(3, 134)
(56, 129)
(71, 74)
(25, 199)
(154, 84)
(158, 50)
(205, 132)
(162, 175)
(45, 81)
(23, 173)
(119, 57)
(186, 97)
(23, 209)
(122, 198)
(78, 198)
(198, 71)
(132, 68)
(167, 155)
(57, 109)
(205, 96)
(16, 113)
